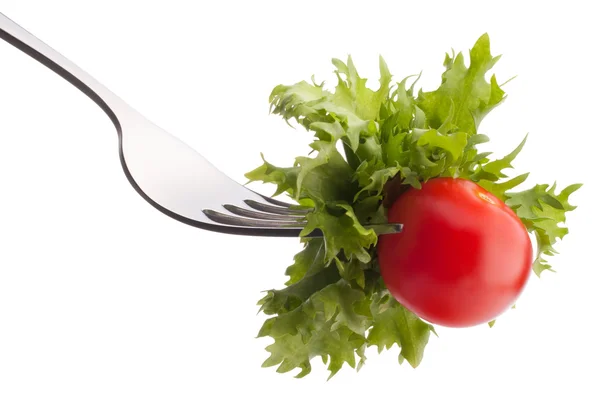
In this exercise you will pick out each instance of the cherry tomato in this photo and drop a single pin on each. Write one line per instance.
(463, 256)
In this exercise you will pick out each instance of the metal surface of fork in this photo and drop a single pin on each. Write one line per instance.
(167, 173)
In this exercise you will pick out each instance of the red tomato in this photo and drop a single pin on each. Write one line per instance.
(463, 257)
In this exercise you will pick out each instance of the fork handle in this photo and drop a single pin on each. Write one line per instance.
(17, 36)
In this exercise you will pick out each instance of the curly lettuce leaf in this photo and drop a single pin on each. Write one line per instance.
(543, 212)
(464, 93)
(334, 324)
(343, 233)
(334, 304)
(353, 105)
(393, 324)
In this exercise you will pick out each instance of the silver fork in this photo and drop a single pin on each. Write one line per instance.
(166, 172)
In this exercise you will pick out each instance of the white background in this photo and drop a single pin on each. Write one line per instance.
(103, 297)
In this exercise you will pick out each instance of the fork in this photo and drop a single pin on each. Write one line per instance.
(167, 173)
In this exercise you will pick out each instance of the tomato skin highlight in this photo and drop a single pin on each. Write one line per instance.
(463, 257)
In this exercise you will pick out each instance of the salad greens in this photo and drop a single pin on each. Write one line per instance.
(369, 146)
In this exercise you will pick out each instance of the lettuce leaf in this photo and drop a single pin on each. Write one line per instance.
(334, 304)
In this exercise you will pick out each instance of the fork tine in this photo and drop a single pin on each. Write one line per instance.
(273, 201)
(276, 209)
(276, 202)
(244, 212)
(255, 223)
(234, 220)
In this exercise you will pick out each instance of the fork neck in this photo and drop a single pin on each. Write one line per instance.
(18, 37)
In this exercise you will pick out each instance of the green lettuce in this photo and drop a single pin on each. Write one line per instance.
(334, 304)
